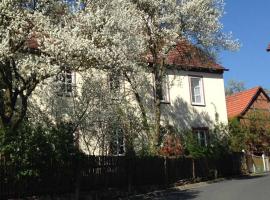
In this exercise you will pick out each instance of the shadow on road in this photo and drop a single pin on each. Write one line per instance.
(190, 194)
(247, 177)
(170, 194)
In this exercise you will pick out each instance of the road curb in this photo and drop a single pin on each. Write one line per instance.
(199, 184)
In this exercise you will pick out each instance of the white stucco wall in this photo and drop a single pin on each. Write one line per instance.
(182, 113)
(178, 112)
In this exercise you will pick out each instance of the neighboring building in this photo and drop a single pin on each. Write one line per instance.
(240, 105)
(193, 96)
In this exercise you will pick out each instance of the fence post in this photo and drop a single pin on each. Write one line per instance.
(267, 163)
(129, 171)
(165, 171)
(263, 159)
(78, 177)
(253, 165)
(193, 168)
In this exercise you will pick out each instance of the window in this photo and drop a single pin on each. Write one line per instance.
(114, 85)
(196, 90)
(66, 80)
(165, 89)
(202, 135)
(165, 92)
(117, 146)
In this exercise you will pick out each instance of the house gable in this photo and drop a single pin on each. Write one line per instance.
(261, 102)
(240, 103)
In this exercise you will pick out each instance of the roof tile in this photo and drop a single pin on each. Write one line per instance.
(187, 56)
(190, 56)
(238, 102)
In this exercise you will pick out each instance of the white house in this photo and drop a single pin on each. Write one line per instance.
(193, 98)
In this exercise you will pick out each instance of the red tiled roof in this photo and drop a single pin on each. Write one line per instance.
(187, 56)
(238, 103)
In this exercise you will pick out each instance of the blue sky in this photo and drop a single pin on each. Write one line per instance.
(250, 23)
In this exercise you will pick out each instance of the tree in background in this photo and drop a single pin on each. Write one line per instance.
(251, 134)
(237, 136)
(234, 87)
(267, 91)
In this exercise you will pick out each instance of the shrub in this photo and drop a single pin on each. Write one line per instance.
(217, 144)
(34, 148)
(171, 144)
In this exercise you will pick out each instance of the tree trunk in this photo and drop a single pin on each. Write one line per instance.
(158, 74)
(141, 105)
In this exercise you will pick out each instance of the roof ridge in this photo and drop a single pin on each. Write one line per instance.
(244, 91)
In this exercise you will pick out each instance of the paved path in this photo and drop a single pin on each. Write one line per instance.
(246, 188)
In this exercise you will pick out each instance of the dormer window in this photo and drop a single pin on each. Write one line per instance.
(196, 90)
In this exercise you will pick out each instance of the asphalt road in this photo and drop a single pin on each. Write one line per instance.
(246, 188)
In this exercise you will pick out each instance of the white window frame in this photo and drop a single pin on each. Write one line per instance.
(201, 91)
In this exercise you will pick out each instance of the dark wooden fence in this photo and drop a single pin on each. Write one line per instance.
(98, 172)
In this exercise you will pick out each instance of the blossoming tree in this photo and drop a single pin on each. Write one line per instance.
(166, 22)
(38, 39)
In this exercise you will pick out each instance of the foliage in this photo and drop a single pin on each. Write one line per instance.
(251, 133)
(192, 146)
(172, 142)
(217, 143)
(237, 136)
(34, 148)
(234, 87)
(267, 91)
